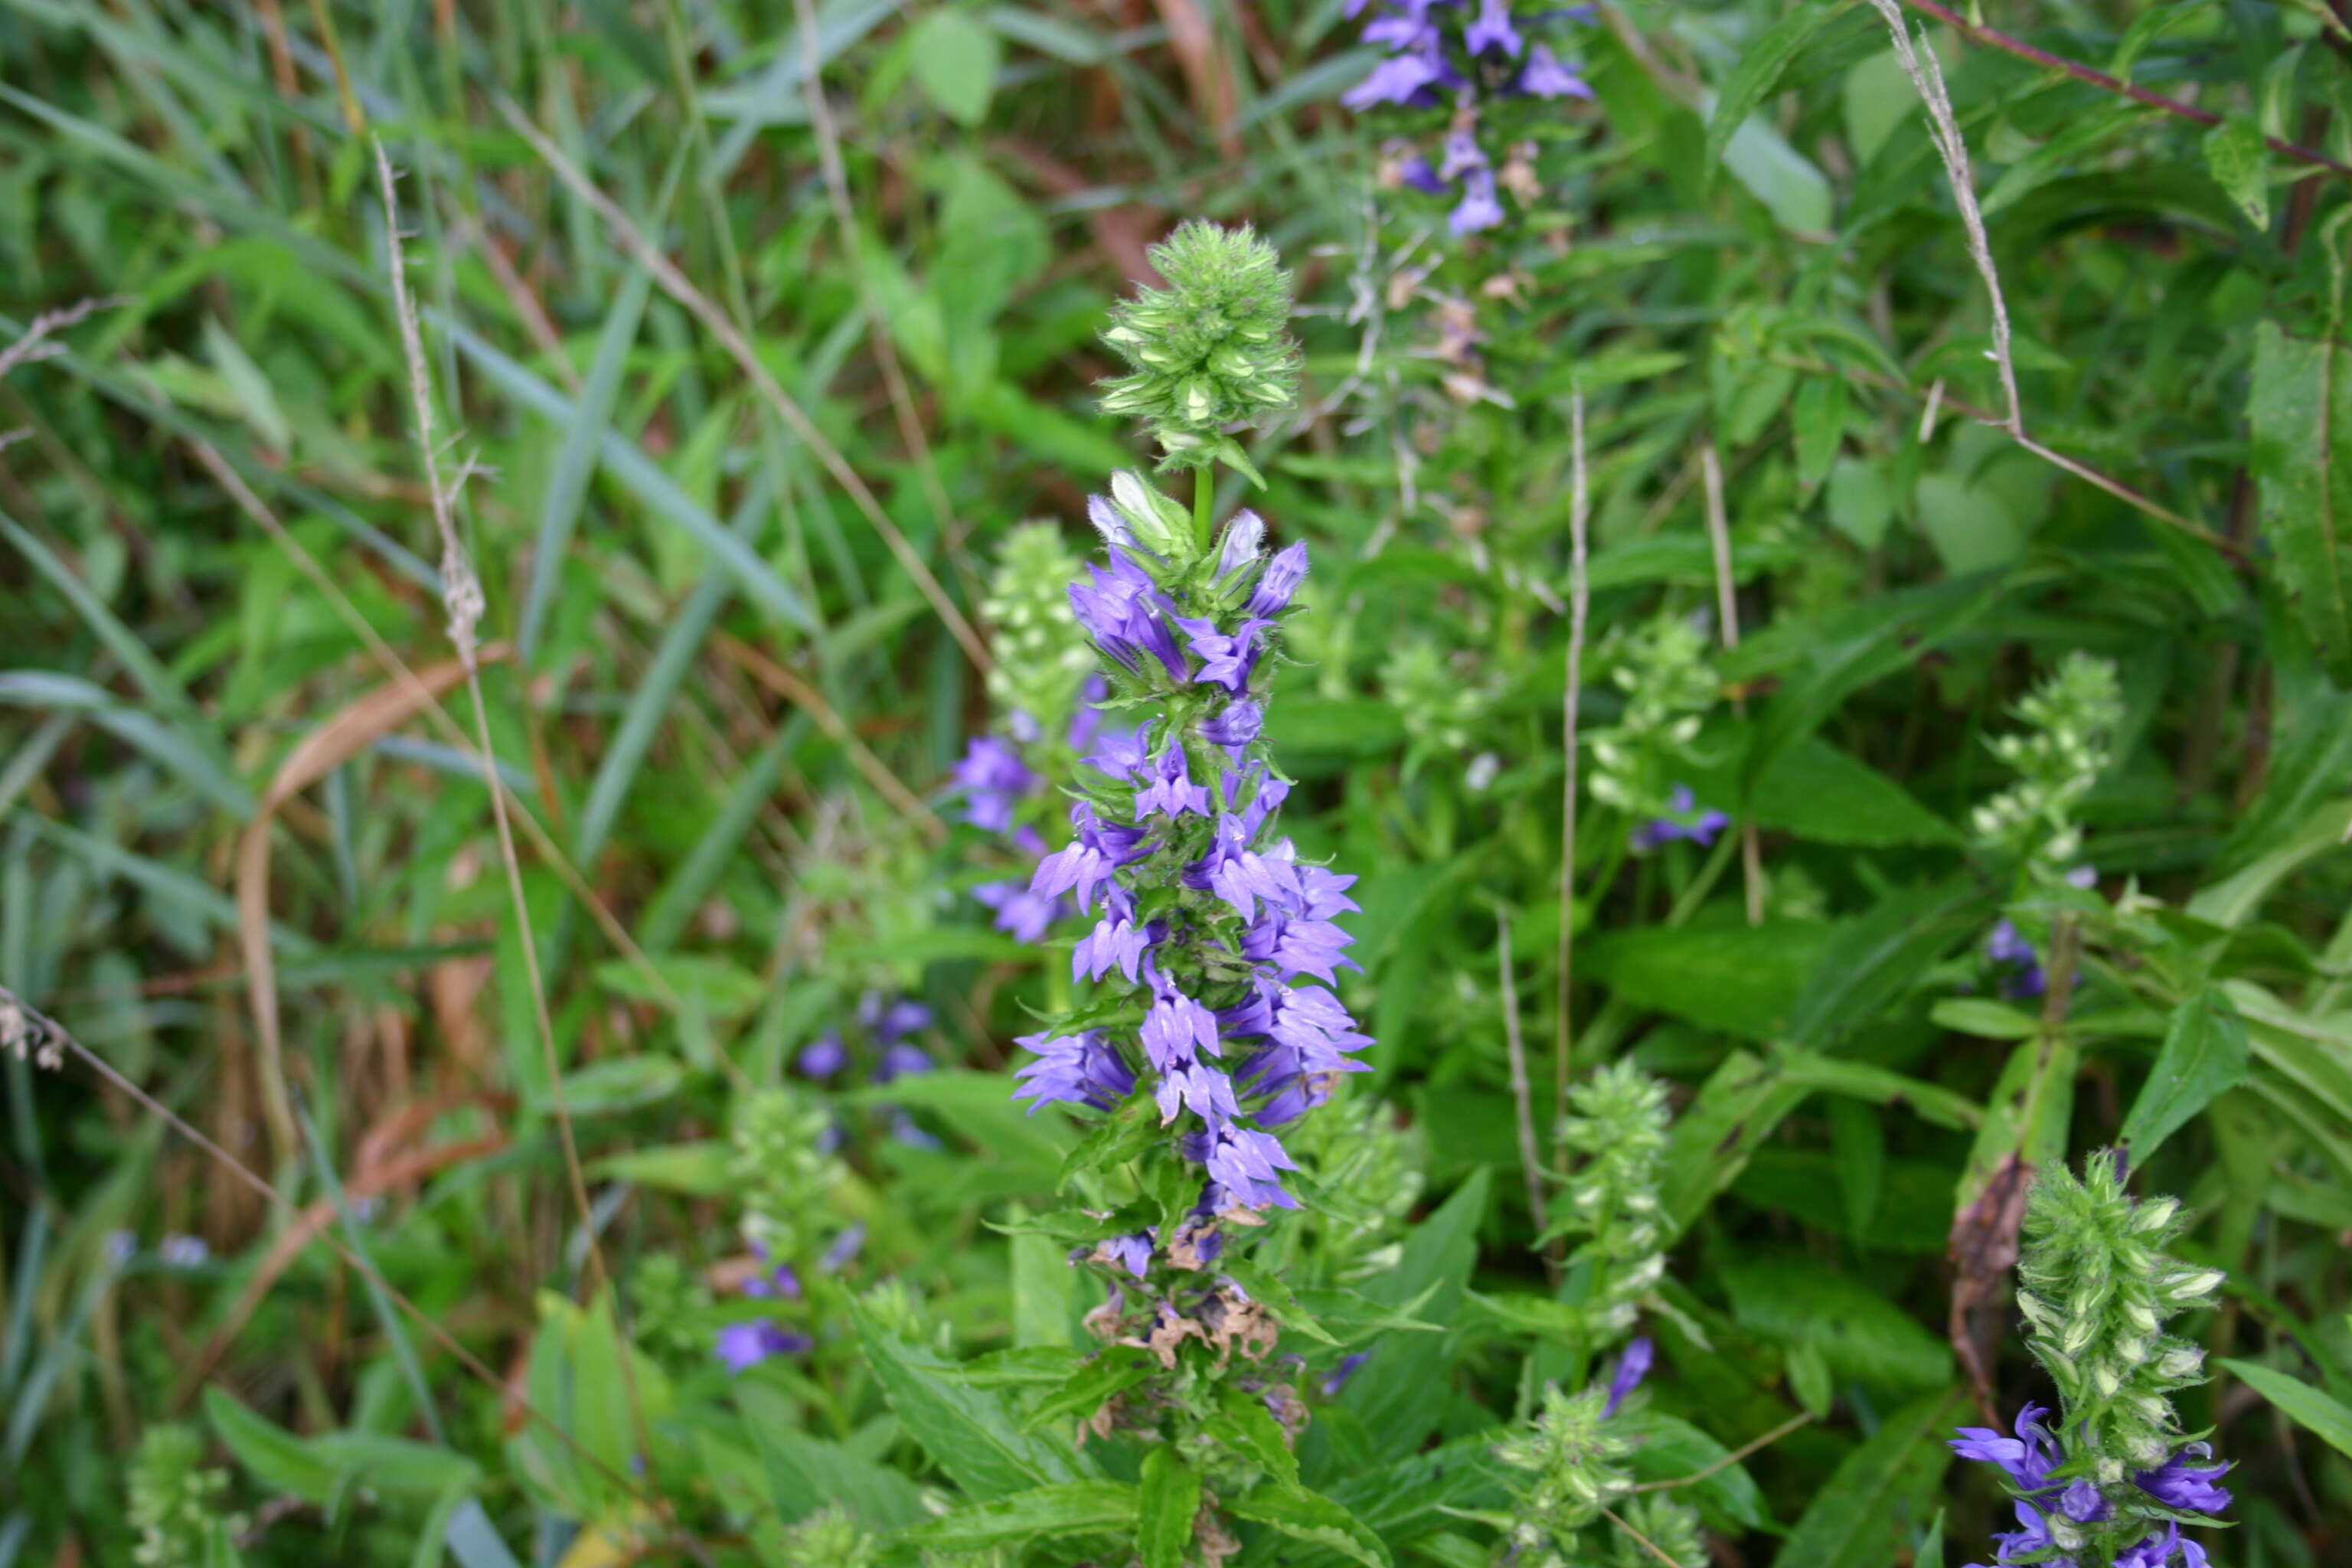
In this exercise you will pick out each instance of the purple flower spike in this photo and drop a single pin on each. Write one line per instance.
(2185, 1485)
(1246, 1162)
(1544, 76)
(1492, 29)
(1632, 1368)
(1280, 581)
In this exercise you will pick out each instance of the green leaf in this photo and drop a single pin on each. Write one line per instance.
(971, 1433)
(1311, 1517)
(1071, 1508)
(1743, 980)
(955, 61)
(2203, 1056)
(1758, 71)
(725, 990)
(1246, 1426)
(1859, 505)
(276, 1457)
(1819, 419)
(1417, 1492)
(1086, 1389)
(1167, 1502)
(1822, 794)
(1390, 1393)
(1669, 1448)
(1982, 1017)
(2241, 165)
(1739, 1105)
(697, 1169)
(1881, 1491)
(2326, 1418)
(1860, 1335)
(805, 1473)
(2301, 399)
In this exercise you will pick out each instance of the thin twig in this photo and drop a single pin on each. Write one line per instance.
(1648, 1545)
(462, 593)
(1579, 598)
(1726, 614)
(1522, 1097)
(451, 733)
(1725, 1463)
(1994, 38)
(885, 347)
(33, 345)
(699, 305)
(1929, 77)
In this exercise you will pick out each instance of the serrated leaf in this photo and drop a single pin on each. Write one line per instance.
(1069, 1508)
(2204, 1055)
(1166, 1503)
(2240, 164)
(971, 1432)
(805, 1473)
(1880, 1491)
(1311, 1517)
(2300, 403)
(1086, 1389)
(1246, 1426)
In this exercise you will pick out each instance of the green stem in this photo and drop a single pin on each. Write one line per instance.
(1204, 506)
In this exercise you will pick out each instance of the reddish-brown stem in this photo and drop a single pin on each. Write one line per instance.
(1994, 38)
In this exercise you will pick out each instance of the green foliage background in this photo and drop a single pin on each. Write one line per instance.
(725, 701)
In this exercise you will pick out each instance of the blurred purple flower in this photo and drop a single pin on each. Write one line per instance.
(993, 781)
(1632, 1368)
(2186, 1486)
(1688, 822)
(1340, 1374)
(742, 1346)
(823, 1057)
(902, 1060)
(844, 1248)
(1492, 29)
(1545, 77)
(1020, 914)
(1479, 209)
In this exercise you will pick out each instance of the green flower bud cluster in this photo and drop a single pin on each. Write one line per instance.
(1210, 351)
(175, 1500)
(1662, 670)
(1577, 1468)
(2069, 719)
(1620, 1126)
(1041, 658)
(829, 1538)
(1377, 1164)
(1439, 702)
(2096, 1287)
(782, 1167)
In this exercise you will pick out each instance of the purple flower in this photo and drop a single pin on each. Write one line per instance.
(2032, 1535)
(1479, 209)
(1304, 1020)
(1405, 34)
(2006, 945)
(1116, 942)
(1256, 795)
(906, 1130)
(1296, 946)
(1688, 822)
(1020, 914)
(1338, 1377)
(2028, 1458)
(823, 1057)
(1545, 77)
(1131, 1251)
(1491, 30)
(1074, 1069)
(2185, 1485)
(1244, 1162)
(1124, 612)
(993, 781)
(2083, 1503)
(844, 1248)
(893, 1020)
(1225, 661)
(778, 1281)
(1239, 546)
(743, 1346)
(1400, 79)
(183, 1252)
(1235, 726)
(1238, 874)
(901, 1060)
(1171, 788)
(1123, 753)
(1279, 582)
(1632, 1368)
(2155, 1550)
(1463, 154)
(1087, 860)
(1416, 172)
